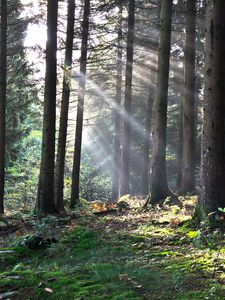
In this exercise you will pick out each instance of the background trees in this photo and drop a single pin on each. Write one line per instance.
(104, 35)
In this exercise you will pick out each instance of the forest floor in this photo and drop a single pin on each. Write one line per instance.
(131, 253)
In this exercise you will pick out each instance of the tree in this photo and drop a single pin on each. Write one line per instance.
(159, 187)
(146, 146)
(213, 146)
(117, 119)
(45, 201)
(3, 85)
(60, 162)
(188, 147)
(125, 161)
(80, 108)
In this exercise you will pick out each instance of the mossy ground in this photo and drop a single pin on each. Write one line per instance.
(127, 255)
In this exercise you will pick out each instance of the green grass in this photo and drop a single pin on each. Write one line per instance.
(147, 263)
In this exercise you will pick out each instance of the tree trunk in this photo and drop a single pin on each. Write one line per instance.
(117, 121)
(180, 147)
(61, 151)
(45, 203)
(146, 146)
(213, 144)
(159, 187)
(3, 59)
(125, 162)
(80, 108)
(188, 156)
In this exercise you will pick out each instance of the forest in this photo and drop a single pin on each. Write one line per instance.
(112, 149)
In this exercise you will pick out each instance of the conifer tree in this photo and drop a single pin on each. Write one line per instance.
(60, 162)
(125, 162)
(3, 73)
(45, 199)
(213, 146)
(159, 186)
(80, 108)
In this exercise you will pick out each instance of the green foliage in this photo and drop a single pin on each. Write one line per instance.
(94, 180)
(22, 175)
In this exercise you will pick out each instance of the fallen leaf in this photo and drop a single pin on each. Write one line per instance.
(48, 290)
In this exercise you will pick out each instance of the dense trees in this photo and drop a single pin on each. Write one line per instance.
(119, 49)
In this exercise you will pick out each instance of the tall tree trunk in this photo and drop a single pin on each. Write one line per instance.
(213, 145)
(188, 156)
(180, 147)
(146, 147)
(125, 162)
(3, 59)
(117, 121)
(159, 187)
(60, 161)
(80, 108)
(45, 202)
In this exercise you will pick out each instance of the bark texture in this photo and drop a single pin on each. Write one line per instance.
(213, 144)
(45, 202)
(125, 163)
(61, 151)
(3, 59)
(188, 148)
(80, 108)
(159, 187)
(146, 146)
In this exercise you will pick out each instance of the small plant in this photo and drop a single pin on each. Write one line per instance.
(222, 210)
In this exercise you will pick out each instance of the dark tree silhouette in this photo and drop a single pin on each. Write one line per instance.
(159, 187)
(45, 200)
(213, 146)
(117, 118)
(3, 59)
(60, 161)
(80, 108)
(125, 162)
(188, 147)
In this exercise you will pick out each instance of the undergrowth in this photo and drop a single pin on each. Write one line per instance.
(119, 257)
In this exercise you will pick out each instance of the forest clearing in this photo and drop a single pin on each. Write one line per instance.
(112, 149)
(127, 254)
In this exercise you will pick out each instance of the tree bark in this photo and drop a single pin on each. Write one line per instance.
(213, 144)
(61, 151)
(125, 161)
(117, 119)
(188, 148)
(180, 147)
(146, 146)
(159, 187)
(80, 108)
(45, 201)
(3, 84)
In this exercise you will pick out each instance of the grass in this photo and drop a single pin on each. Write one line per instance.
(119, 257)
